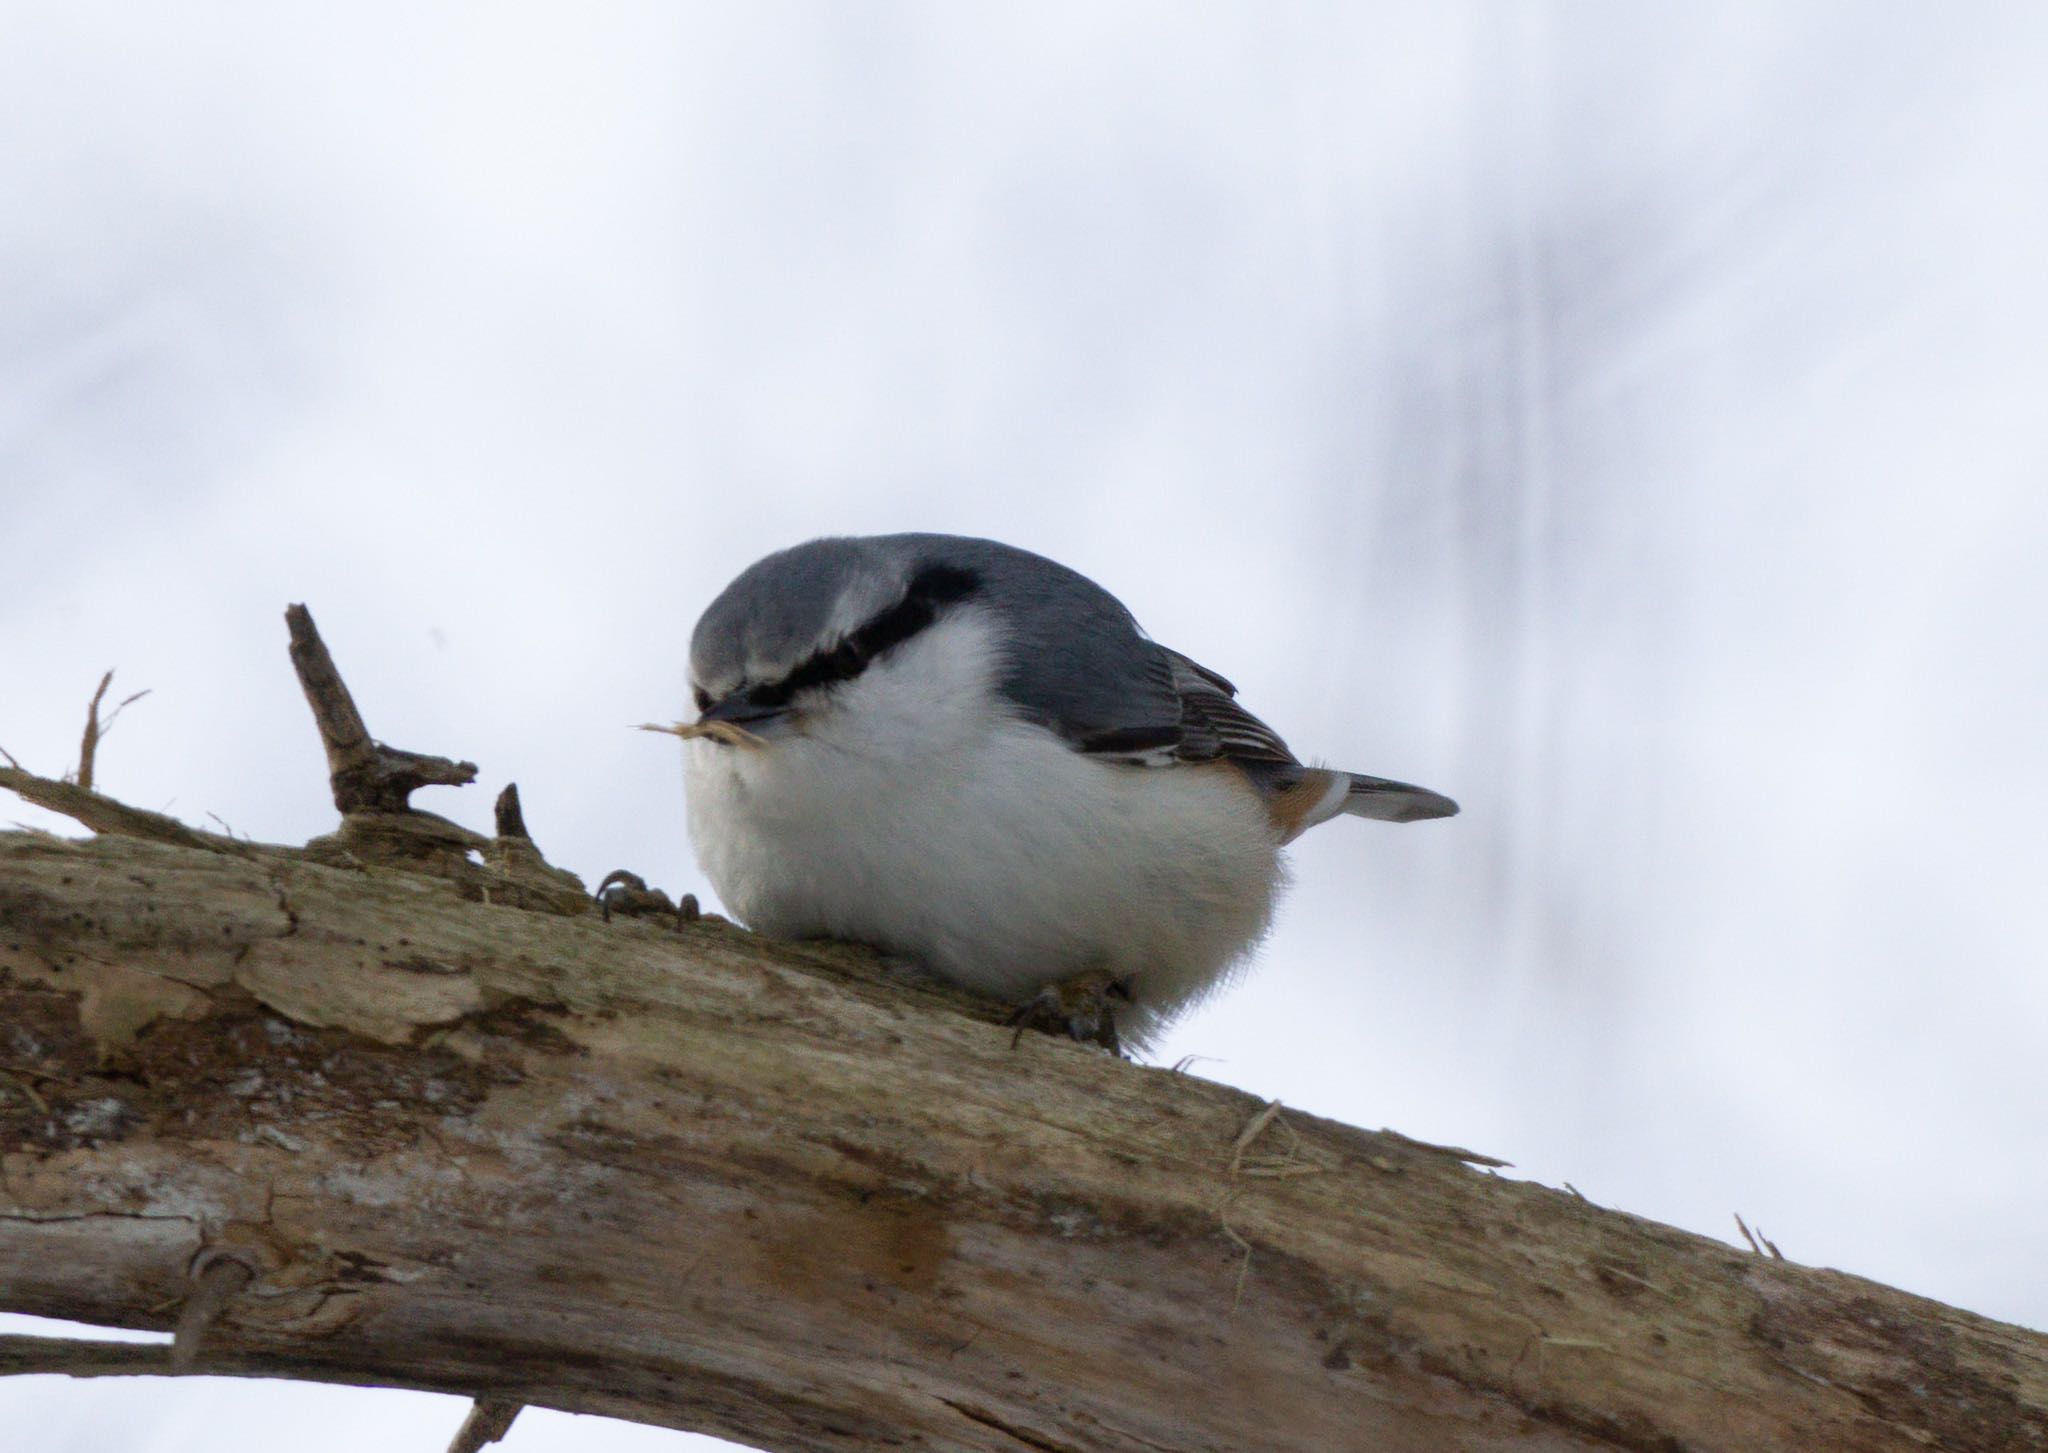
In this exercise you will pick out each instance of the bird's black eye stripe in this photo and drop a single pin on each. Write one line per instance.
(931, 589)
(703, 699)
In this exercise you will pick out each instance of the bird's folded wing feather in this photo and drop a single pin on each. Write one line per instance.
(1213, 724)
(1113, 693)
(1078, 664)
(1173, 710)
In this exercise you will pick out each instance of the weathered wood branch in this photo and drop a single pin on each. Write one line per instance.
(104, 814)
(96, 729)
(686, 1177)
(488, 1421)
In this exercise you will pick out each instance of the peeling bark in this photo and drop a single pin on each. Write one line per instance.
(666, 1171)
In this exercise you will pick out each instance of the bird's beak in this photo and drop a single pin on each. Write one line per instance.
(717, 731)
(726, 721)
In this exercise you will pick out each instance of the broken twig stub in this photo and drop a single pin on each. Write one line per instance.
(366, 775)
(217, 1280)
(97, 729)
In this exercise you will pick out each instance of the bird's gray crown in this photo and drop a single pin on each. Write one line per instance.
(785, 608)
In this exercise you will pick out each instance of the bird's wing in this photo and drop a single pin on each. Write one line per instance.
(1155, 707)
(1076, 662)
(1113, 693)
(1213, 724)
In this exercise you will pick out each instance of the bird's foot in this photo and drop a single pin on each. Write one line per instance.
(1078, 1008)
(628, 894)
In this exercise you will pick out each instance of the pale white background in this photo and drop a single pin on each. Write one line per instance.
(1627, 418)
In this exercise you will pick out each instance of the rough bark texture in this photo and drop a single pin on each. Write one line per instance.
(672, 1173)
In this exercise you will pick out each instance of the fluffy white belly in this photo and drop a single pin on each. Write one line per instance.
(985, 849)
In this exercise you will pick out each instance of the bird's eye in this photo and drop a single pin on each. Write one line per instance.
(703, 698)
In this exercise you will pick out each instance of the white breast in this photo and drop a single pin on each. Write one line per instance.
(915, 815)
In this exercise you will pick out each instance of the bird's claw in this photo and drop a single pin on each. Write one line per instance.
(628, 894)
(1078, 1008)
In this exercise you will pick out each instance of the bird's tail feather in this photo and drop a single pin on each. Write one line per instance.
(1376, 797)
(1318, 794)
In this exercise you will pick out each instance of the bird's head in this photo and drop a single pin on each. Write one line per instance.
(782, 641)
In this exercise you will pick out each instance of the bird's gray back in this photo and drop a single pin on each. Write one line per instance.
(1077, 660)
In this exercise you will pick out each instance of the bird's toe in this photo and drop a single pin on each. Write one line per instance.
(1080, 1008)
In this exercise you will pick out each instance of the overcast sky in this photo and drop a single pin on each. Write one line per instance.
(1627, 419)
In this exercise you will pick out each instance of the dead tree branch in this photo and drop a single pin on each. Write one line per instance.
(488, 1421)
(96, 729)
(367, 776)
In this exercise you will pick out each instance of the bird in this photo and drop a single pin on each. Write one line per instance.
(973, 759)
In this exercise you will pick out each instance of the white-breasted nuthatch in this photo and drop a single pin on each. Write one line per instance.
(969, 756)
